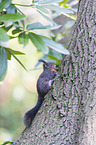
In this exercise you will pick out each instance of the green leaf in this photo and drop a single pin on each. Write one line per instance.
(23, 38)
(56, 55)
(73, 17)
(19, 10)
(52, 57)
(55, 14)
(3, 63)
(4, 4)
(48, 1)
(23, 24)
(16, 52)
(59, 9)
(11, 37)
(8, 55)
(46, 17)
(56, 46)
(68, 24)
(17, 30)
(42, 9)
(11, 17)
(19, 62)
(3, 35)
(17, 25)
(72, 3)
(38, 42)
(7, 142)
(63, 2)
(12, 53)
(38, 25)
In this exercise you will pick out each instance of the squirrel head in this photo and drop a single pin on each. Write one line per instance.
(49, 66)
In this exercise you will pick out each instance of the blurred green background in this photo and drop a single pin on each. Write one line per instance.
(18, 93)
(18, 90)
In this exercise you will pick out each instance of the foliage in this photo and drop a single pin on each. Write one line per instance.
(7, 142)
(11, 18)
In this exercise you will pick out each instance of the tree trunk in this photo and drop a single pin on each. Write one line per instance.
(68, 114)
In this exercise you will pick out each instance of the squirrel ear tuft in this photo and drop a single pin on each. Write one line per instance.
(41, 60)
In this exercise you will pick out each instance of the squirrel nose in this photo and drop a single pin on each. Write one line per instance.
(55, 67)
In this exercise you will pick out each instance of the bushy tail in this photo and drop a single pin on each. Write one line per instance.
(29, 116)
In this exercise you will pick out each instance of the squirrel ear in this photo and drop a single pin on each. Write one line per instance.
(41, 60)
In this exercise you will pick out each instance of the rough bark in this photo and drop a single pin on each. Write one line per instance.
(68, 114)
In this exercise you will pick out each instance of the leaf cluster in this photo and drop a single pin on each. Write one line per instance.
(12, 18)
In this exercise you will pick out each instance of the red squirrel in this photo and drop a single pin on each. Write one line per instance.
(43, 86)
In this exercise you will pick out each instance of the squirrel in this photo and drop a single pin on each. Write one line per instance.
(43, 86)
